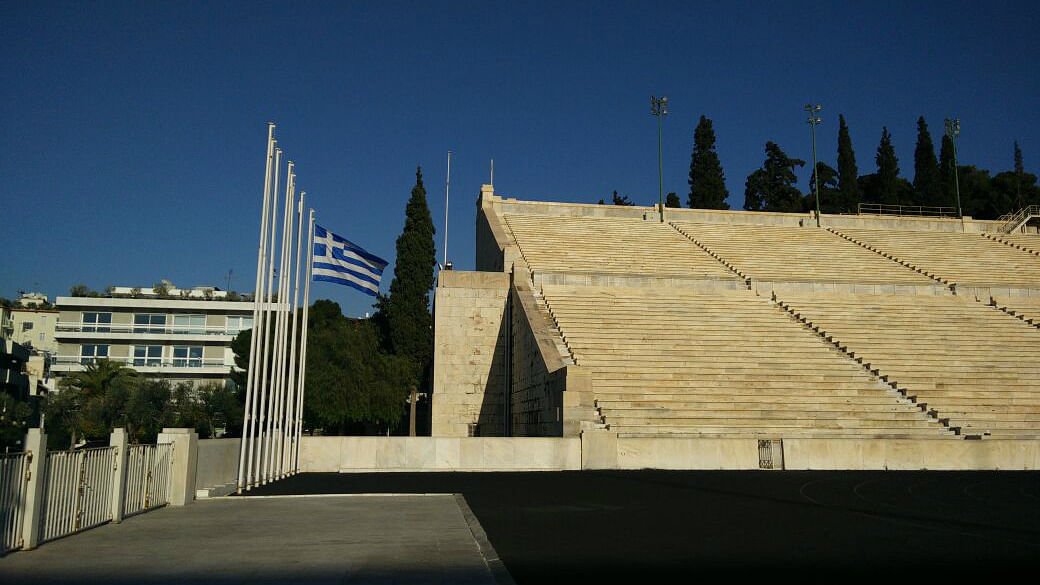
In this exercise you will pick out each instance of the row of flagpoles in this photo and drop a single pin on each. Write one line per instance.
(273, 419)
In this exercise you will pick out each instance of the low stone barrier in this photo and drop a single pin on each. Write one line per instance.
(217, 467)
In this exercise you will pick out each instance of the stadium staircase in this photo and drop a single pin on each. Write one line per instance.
(1025, 308)
(1030, 244)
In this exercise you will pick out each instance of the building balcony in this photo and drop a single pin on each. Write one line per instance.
(186, 367)
(66, 331)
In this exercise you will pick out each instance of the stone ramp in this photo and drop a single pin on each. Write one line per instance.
(315, 540)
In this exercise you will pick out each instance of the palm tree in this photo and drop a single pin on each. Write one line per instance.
(81, 404)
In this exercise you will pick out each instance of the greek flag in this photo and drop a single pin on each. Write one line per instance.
(338, 260)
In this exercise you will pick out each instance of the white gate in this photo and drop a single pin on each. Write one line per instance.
(77, 491)
(147, 477)
(13, 469)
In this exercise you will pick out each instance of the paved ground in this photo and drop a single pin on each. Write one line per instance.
(658, 526)
(314, 540)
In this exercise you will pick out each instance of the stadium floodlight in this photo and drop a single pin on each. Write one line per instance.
(659, 108)
(953, 130)
(813, 121)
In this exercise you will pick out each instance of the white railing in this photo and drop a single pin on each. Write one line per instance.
(77, 491)
(13, 467)
(145, 362)
(1010, 221)
(81, 327)
(147, 477)
(906, 210)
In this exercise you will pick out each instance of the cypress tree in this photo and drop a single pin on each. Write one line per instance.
(948, 194)
(771, 188)
(888, 171)
(707, 181)
(848, 175)
(408, 306)
(927, 187)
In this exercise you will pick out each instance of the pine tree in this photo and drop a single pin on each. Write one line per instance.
(831, 200)
(707, 181)
(848, 174)
(771, 188)
(672, 200)
(408, 306)
(621, 199)
(888, 171)
(1019, 172)
(927, 184)
(947, 190)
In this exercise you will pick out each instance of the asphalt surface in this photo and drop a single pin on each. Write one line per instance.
(747, 526)
(418, 540)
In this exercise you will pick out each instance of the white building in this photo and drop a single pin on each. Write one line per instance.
(179, 335)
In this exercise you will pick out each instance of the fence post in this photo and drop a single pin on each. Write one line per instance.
(119, 440)
(185, 463)
(36, 448)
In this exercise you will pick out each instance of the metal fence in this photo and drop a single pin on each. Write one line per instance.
(906, 210)
(77, 491)
(147, 477)
(13, 467)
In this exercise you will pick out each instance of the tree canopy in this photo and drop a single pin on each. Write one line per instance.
(707, 181)
(771, 188)
(927, 185)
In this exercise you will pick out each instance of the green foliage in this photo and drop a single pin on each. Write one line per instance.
(848, 174)
(707, 181)
(672, 200)
(350, 380)
(771, 188)
(888, 188)
(621, 199)
(79, 290)
(831, 199)
(14, 420)
(407, 308)
(947, 191)
(927, 184)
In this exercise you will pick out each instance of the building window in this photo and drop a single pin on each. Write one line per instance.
(149, 323)
(147, 355)
(97, 322)
(238, 324)
(88, 353)
(189, 323)
(27, 326)
(187, 356)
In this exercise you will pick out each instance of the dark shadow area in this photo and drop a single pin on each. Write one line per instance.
(662, 526)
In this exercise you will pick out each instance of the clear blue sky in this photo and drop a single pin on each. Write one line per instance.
(132, 134)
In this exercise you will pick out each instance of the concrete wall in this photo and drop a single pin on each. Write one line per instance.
(217, 466)
(469, 382)
(348, 454)
(496, 251)
(905, 454)
(538, 378)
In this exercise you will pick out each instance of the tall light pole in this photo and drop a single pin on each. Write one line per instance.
(813, 121)
(953, 130)
(659, 108)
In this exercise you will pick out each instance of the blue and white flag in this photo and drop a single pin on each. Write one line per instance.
(337, 259)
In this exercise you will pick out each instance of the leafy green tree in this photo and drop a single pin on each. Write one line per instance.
(927, 184)
(848, 174)
(672, 200)
(79, 290)
(90, 402)
(946, 171)
(707, 181)
(771, 188)
(621, 199)
(14, 420)
(889, 191)
(831, 199)
(407, 308)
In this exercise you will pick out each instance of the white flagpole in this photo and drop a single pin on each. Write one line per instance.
(248, 415)
(447, 188)
(303, 348)
(290, 399)
(279, 340)
(276, 459)
(262, 373)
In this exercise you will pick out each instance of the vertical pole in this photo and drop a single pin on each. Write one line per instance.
(36, 451)
(815, 166)
(956, 178)
(262, 372)
(290, 399)
(118, 439)
(278, 367)
(249, 414)
(660, 170)
(303, 348)
(447, 188)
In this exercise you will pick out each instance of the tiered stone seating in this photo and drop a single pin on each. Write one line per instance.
(610, 245)
(954, 257)
(782, 253)
(722, 364)
(1025, 308)
(969, 362)
(1029, 243)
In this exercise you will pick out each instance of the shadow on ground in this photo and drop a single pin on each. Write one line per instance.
(661, 526)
